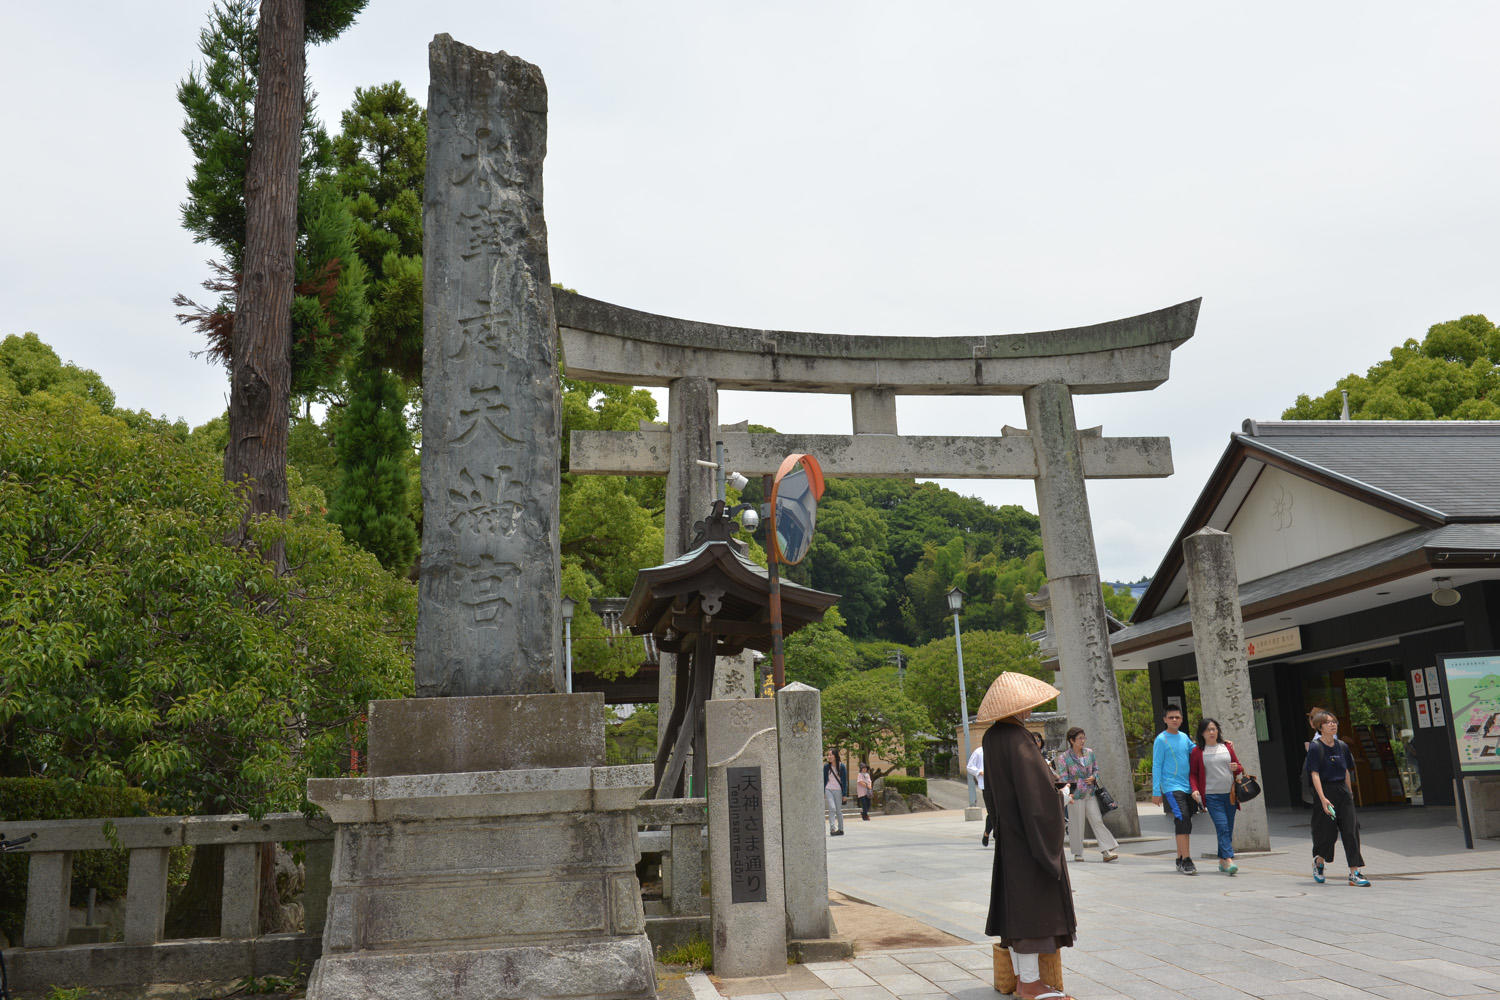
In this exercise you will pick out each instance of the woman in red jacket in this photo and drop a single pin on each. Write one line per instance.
(1212, 766)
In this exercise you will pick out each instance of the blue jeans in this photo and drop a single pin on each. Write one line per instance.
(1221, 810)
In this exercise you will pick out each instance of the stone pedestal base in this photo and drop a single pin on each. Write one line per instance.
(487, 885)
(620, 968)
(973, 813)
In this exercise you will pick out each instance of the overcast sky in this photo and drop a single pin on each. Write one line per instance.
(1323, 175)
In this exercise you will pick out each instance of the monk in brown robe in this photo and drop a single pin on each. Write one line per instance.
(1031, 901)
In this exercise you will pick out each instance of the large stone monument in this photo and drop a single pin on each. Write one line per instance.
(1223, 667)
(490, 853)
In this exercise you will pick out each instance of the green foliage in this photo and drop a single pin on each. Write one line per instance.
(1118, 603)
(1141, 723)
(1451, 374)
(329, 311)
(139, 649)
(875, 534)
(820, 654)
(995, 589)
(696, 954)
(906, 785)
(218, 101)
(325, 20)
(869, 715)
(67, 993)
(27, 365)
(44, 798)
(380, 158)
(631, 739)
(371, 503)
(932, 675)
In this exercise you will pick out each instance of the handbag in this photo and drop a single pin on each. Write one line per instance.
(1245, 787)
(1107, 803)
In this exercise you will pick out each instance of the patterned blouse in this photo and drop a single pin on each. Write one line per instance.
(1074, 770)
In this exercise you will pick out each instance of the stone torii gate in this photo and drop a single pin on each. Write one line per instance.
(603, 342)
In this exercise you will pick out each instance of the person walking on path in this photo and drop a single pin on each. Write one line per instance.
(1079, 768)
(1169, 784)
(1330, 769)
(1212, 766)
(1031, 900)
(863, 786)
(975, 768)
(835, 787)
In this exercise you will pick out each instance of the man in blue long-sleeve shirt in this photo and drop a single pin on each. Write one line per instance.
(1169, 781)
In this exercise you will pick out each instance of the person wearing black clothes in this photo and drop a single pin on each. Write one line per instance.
(1330, 768)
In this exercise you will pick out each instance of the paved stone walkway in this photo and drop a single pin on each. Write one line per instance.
(1429, 926)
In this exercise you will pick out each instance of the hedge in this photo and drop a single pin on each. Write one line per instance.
(905, 784)
(44, 798)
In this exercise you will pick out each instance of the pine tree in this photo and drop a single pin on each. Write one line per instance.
(373, 445)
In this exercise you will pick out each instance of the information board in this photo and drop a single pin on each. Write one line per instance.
(1472, 693)
(747, 841)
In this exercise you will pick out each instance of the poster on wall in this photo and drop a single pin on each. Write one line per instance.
(1418, 683)
(1432, 683)
(1424, 721)
(1473, 710)
(1262, 724)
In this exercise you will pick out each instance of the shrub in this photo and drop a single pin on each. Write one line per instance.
(905, 784)
(694, 953)
(43, 798)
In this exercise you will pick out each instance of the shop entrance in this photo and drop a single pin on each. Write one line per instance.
(1374, 709)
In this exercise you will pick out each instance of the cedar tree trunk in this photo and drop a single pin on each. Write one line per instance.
(260, 378)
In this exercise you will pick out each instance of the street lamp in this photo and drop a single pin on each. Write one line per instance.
(955, 605)
(568, 604)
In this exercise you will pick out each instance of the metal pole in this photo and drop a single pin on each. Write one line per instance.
(963, 707)
(568, 646)
(778, 660)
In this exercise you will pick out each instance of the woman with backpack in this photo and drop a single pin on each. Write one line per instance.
(1330, 768)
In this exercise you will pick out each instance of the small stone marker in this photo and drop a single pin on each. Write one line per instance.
(799, 728)
(749, 926)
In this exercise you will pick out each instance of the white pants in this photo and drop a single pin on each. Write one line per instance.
(834, 800)
(1077, 810)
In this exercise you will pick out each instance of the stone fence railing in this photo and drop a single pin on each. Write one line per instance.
(673, 828)
(145, 956)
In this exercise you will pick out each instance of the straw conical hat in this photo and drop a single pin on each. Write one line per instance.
(1012, 693)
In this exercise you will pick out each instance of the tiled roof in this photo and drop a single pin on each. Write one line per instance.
(1448, 538)
(1451, 467)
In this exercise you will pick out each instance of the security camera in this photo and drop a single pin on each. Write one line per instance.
(750, 519)
(737, 481)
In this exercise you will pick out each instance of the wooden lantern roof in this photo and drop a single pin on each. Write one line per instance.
(716, 589)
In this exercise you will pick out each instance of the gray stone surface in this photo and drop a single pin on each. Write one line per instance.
(188, 961)
(1223, 669)
(460, 877)
(685, 869)
(146, 895)
(319, 869)
(478, 793)
(734, 677)
(1086, 671)
(749, 939)
(799, 727)
(614, 969)
(693, 417)
(873, 410)
(49, 879)
(488, 616)
(645, 453)
(609, 343)
(1483, 793)
(496, 733)
(239, 913)
(728, 724)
